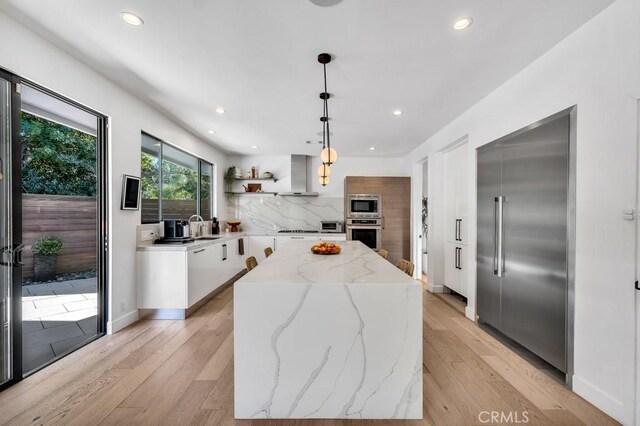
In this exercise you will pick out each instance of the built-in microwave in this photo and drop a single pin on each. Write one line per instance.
(364, 205)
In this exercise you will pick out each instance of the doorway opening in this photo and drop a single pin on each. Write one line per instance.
(53, 221)
(60, 185)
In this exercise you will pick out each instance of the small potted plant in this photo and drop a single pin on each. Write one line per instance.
(229, 178)
(45, 255)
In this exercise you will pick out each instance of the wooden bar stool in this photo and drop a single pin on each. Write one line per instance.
(384, 253)
(268, 252)
(251, 263)
(406, 267)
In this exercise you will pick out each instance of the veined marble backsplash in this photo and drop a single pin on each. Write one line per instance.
(260, 213)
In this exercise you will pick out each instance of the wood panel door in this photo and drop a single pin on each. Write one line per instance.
(396, 209)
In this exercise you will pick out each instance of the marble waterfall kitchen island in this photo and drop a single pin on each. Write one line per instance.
(336, 336)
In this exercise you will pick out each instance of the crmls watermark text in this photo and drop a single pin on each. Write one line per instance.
(510, 417)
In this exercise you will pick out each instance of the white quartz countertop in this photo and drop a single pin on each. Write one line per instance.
(293, 234)
(356, 264)
(198, 243)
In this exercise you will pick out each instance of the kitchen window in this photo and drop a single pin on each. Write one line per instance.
(175, 184)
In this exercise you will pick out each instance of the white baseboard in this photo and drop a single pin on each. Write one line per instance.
(470, 313)
(435, 288)
(605, 402)
(120, 323)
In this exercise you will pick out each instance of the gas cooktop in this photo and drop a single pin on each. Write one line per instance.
(297, 231)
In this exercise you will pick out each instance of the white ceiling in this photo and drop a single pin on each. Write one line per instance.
(257, 59)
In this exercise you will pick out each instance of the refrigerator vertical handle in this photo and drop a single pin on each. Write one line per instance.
(459, 229)
(499, 236)
(495, 236)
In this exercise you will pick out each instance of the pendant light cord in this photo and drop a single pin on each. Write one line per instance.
(326, 111)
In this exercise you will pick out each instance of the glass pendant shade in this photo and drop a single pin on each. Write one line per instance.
(324, 180)
(324, 170)
(329, 156)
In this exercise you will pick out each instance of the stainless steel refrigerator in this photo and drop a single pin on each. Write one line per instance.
(523, 190)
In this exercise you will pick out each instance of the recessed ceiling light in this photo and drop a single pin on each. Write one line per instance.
(212, 132)
(463, 23)
(254, 146)
(131, 18)
(220, 110)
(397, 112)
(372, 148)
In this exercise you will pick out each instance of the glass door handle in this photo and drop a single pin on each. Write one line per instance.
(17, 255)
(13, 253)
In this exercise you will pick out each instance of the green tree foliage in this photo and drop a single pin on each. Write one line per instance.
(56, 159)
(149, 179)
(178, 182)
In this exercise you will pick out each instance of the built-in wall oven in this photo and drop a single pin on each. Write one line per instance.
(368, 231)
(364, 206)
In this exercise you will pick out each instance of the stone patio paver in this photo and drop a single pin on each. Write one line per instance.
(57, 300)
(56, 317)
(71, 316)
(78, 305)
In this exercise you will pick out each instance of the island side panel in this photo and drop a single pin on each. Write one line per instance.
(328, 351)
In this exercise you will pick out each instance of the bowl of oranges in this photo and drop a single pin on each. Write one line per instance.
(325, 248)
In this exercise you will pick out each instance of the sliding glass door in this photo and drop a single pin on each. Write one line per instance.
(53, 198)
(5, 235)
(62, 286)
(10, 246)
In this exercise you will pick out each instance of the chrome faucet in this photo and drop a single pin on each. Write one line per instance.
(197, 232)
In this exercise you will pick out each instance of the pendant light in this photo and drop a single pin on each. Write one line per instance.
(324, 170)
(328, 154)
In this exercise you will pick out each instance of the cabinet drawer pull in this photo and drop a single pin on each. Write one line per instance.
(198, 251)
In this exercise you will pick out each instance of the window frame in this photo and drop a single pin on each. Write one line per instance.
(201, 161)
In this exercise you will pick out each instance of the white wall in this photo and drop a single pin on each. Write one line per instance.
(596, 68)
(280, 166)
(32, 57)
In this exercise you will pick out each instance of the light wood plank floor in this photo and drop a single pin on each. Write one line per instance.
(181, 372)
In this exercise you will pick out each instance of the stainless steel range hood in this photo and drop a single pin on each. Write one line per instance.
(299, 184)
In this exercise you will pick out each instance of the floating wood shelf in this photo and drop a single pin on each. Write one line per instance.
(271, 179)
(251, 193)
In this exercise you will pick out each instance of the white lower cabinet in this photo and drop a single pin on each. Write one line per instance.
(455, 268)
(311, 238)
(284, 240)
(257, 244)
(179, 279)
(202, 273)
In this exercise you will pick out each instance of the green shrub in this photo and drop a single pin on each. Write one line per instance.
(47, 246)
